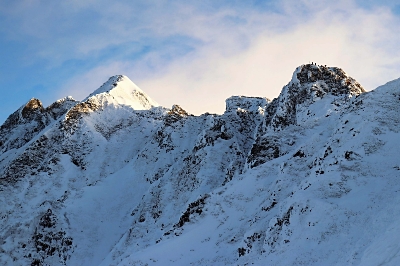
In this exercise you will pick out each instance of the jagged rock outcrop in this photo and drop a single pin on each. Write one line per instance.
(309, 84)
(327, 80)
(175, 114)
(29, 120)
(32, 110)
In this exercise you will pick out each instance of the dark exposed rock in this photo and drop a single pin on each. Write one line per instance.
(48, 219)
(285, 218)
(48, 240)
(250, 241)
(299, 153)
(32, 110)
(242, 251)
(263, 150)
(268, 208)
(175, 114)
(348, 155)
(275, 230)
(195, 207)
(29, 162)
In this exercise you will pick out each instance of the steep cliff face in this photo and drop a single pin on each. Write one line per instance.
(118, 180)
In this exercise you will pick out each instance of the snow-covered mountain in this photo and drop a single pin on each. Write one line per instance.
(309, 178)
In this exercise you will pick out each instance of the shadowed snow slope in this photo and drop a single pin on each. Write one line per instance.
(309, 178)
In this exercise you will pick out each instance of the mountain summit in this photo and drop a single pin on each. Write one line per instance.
(311, 177)
(325, 79)
(120, 90)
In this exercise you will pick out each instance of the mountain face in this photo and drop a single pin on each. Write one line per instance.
(309, 178)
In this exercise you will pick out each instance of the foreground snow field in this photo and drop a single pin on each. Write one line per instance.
(309, 178)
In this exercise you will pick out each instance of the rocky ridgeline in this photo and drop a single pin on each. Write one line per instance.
(173, 147)
(29, 120)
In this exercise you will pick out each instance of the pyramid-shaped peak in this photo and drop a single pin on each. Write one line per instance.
(120, 89)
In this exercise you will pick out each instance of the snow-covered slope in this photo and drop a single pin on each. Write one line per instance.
(309, 178)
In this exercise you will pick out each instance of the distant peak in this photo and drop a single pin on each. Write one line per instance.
(121, 90)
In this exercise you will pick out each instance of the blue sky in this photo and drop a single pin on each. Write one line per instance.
(191, 53)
